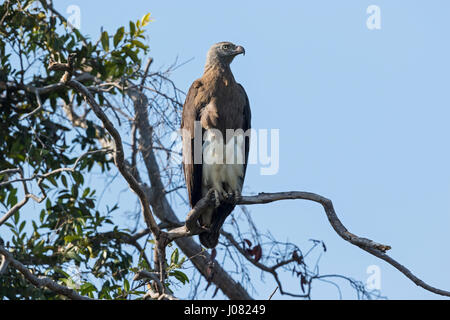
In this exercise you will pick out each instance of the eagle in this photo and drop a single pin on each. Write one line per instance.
(215, 127)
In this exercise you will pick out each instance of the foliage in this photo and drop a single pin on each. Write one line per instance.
(70, 232)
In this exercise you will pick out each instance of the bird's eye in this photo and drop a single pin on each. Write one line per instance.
(225, 47)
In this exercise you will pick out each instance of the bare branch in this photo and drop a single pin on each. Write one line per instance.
(38, 99)
(274, 291)
(18, 205)
(272, 270)
(144, 274)
(4, 264)
(152, 294)
(368, 245)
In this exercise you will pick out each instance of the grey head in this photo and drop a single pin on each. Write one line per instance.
(222, 54)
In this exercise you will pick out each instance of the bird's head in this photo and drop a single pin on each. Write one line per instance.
(223, 53)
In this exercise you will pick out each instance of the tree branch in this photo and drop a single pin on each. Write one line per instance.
(368, 245)
(41, 178)
(40, 281)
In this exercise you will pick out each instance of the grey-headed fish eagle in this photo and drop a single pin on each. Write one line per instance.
(217, 109)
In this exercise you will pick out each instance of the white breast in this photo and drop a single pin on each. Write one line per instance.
(223, 164)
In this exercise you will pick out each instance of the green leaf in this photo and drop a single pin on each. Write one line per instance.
(12, 199)
(39, 247)
(78, 177)
(87, 288)
(16, 217)
(9, 225)
(74, 191)
(52, 180)
(72, 238)
(174, 256)
(133, 55)
(64, 180)
(79, 230)
(90, 203)
(132, 28)
(90, 131)
(73, 255)
(119, 36)
(61, 271)
(145, 20)
(180, 276)
(139, 44)
(48, 204)
(126, 285)
(105, 41)
(86, 192)
(69, 283)
(22, 225)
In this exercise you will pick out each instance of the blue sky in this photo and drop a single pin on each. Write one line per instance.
(363, 118)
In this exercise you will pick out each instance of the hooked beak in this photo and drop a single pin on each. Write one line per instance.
(239, 50)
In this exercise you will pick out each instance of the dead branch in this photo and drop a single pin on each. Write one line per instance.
(274, 291)
(4, 265)
(368, 245)
(374, 248)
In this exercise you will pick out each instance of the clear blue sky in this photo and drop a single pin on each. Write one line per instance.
(363, 118)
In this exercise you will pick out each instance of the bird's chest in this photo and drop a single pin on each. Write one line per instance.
(223, 110)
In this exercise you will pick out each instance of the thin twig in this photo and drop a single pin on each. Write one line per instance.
(274, 291)
(41, 179)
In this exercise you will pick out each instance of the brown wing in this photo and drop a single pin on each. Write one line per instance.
(247, 124)
(210, 238)
(192, 172)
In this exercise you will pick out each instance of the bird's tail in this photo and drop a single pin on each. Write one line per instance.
(210, 238)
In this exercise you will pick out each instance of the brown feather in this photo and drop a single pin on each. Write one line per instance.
(218, 102)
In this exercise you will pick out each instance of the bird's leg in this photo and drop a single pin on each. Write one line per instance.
(217, 198)
(237, 196)
(234, 196)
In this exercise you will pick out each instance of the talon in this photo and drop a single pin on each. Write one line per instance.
(237, 196)
(216, 197)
